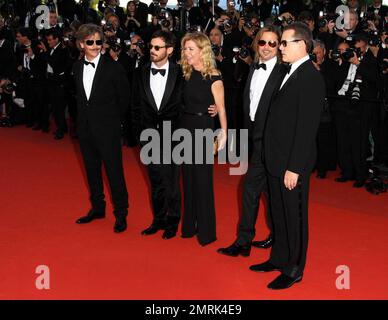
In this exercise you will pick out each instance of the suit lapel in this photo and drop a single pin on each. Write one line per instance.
(247, 90)
(269, 89)
(97, 76)
(147, 86)
(170, 84)
(80, 78)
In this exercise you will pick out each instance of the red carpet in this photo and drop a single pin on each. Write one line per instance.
(43, 191)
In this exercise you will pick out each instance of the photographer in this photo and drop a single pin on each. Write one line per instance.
(56, 58)
(326, 146)
(368, 70)
(232, 35)
(137, 58)
(69, 43)
(350, 30)
(353, 106)
(111, 6)
(7, 71)
(132, 22)
(112, 28)
(31, 80)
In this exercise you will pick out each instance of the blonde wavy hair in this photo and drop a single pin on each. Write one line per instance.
(203, 43)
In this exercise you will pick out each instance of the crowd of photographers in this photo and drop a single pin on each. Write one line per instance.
(36, 60)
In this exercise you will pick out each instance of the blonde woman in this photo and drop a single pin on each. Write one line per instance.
(203, 87)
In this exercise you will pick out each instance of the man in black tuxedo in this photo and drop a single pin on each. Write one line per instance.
(57, 59)
(263, 77)
(159, 101)
(32, 75)
(102, 97)
(290, 151)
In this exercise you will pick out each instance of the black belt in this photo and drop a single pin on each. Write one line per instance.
(196, 113)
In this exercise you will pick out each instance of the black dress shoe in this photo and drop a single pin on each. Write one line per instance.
(283, 282)
(321, 175)
(186, 236)
(341, 179)
(265, 244)
(264, 267)
(169, 233)
(58, 135)
(90, 217)
(359, 183)
(235, 250)
(152, 229)
(37, 128)
(120, 225)
(45, 129)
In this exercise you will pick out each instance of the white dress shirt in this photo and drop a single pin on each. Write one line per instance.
(258, 82)
(158, 83)
(88, 76)
(294, 66)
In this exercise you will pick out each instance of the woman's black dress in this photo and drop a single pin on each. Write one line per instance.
(199, 211)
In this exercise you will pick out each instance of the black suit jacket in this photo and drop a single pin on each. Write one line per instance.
(145, 113)
(292, 123)
(102, 114)
(58, 60)
(262, 110)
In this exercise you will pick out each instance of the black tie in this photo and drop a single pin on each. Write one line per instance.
(161, 71)
(91, 63)
(260, 65)
(287, 67)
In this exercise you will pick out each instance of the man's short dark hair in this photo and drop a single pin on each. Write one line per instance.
(25, 32)
(168, 37)
(53, 32)
(87, 30)
(305, 16)
(301, 31)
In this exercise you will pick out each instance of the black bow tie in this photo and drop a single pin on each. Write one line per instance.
(260, 65)
(287, 67)
(91, 63)
(161, 71)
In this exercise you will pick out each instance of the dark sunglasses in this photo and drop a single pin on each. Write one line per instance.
(91, 42)
(157, 48)
(285, 42)
(262, 43)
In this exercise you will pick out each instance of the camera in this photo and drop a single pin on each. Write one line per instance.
(365, 17)
(8, 87)
(350, 52)
(141, 44)
(108, 27)
(195, 29)
(374, 38)
(114, 44)
(226, 24)
(163, 17)
(335, 54)
(325, 18)
(242, 52)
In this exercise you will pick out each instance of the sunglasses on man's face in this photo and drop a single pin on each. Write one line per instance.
(91, 42)
(157, 48)
(284, 43)
(262, 43)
